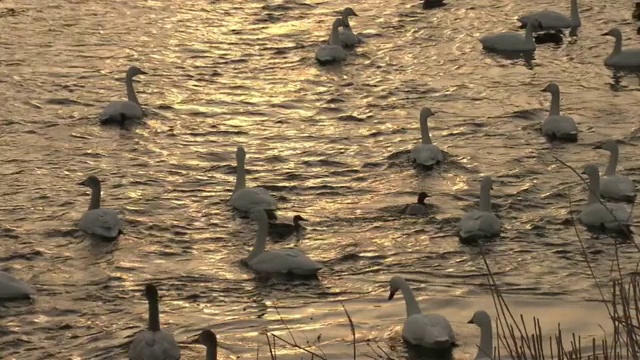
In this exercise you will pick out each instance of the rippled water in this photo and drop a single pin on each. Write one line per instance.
(329, 143)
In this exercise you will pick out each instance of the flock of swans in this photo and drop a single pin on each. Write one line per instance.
(426, 330)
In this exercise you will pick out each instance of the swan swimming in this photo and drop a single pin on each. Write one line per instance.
(12, 288)
(511, 41)
(245, 199)
(556, 126)
(282, 231)
(153, 343)
(621, 59)
(118, 112)
(332, 52)
(280, 261)
(425, 153)
(553, 20)
(613, 186)
(595, 215)
(481, 223)
(418, 208)
(347, 38)
(98, 221)
(426, 330)
(210, 341)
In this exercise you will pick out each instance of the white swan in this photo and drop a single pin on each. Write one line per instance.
(210, 341)
(119, 111)
(153, 343)
(485, 351)
(612, 185)
(621, 59)
(481, 223)
(556, 126)
(418, 208)
(98, 221)
(425, 153)
(511, 41)
(280, 261)
(332, 52)
(596, 215)
(553, 20)
(347, 38)
(246, 199)
(426, 330)
(12, 288)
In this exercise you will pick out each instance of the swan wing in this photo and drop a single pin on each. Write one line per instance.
(426, 154)
(284, 261)
(12, 288)
(348, 38)
(596, 215)
(101, 222)
(330, 53)
(253, 198)
(428, 330)
(479, 224)
(154, 345)
(617, 187)
(114, 110)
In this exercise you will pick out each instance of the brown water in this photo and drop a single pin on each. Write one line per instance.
(329, 143)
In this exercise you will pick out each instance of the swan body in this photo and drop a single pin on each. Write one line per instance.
(426, 330)
(98, 221)
(612, 185)
(280, 261)
(246, 199)
(425, 153)
(556, 126)
(618, 58)
(511, 41)
(210, 341)
(418, 208)
(553, 20)
(12, 288)
(481, 223)
(281, 231)
(119, 111)
(347, 38)
(153, 343)
(332, 52)
(596, 215)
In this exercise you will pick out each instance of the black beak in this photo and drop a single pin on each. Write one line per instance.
(354, 14)
(391, 294)
(583, 172)
(142, 72)
(470, 321)
(543, 90)
(195, 340)
(598, 146)
(81, 183)
(302, 219)
(605, 34)
(427, 195)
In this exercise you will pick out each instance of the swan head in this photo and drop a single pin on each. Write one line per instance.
(151, 292)
(135, 71)
(395, 284)
(298, 218)
(614, 32)
(91, 182)
(348, 11)
(241, 154)
(422, 197)
(258, 215)
(609, 145)
(425, 113)
(591, 170)
(551, 88)
(487, 182)
(208, 338)
(481, 318)
(337, 23)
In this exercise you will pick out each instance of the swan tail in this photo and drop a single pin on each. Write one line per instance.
(442, 343)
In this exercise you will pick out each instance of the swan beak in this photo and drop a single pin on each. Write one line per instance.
(302, 219)
(195, 340)
(391, 294)
(598, 146)
(470, 321)
(605, 34)
(81, 183)
(354, 14)
(142, 72)
(583, 172)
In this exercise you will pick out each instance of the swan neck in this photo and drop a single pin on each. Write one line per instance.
(424, 130)
(613, 163)
(131, 92)
(554, 110)
(575, 13)
(485, 197)
(410, 300)
(240, 176)
(261, 240)
(528, 33)
(212, 352)
(617, 47)
(95, 197)
(345, 22)
(594, 189)
(486, 342)
(334, 37)
(154, 315)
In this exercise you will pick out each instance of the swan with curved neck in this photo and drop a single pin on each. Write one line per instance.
(426, 153)
(482, 223)
(426, 330)
(556, 126)
(153, 343)
(246, 199)
(332, 52)
(210, 341)
(347, 38)
(611, 216)
(552, 20)
(482, 319)
(511, 41)
(104, 223)
(612, 185)
(12, 288)
(418, 208)
(280, 261)
(118, 112)
(618, 58)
